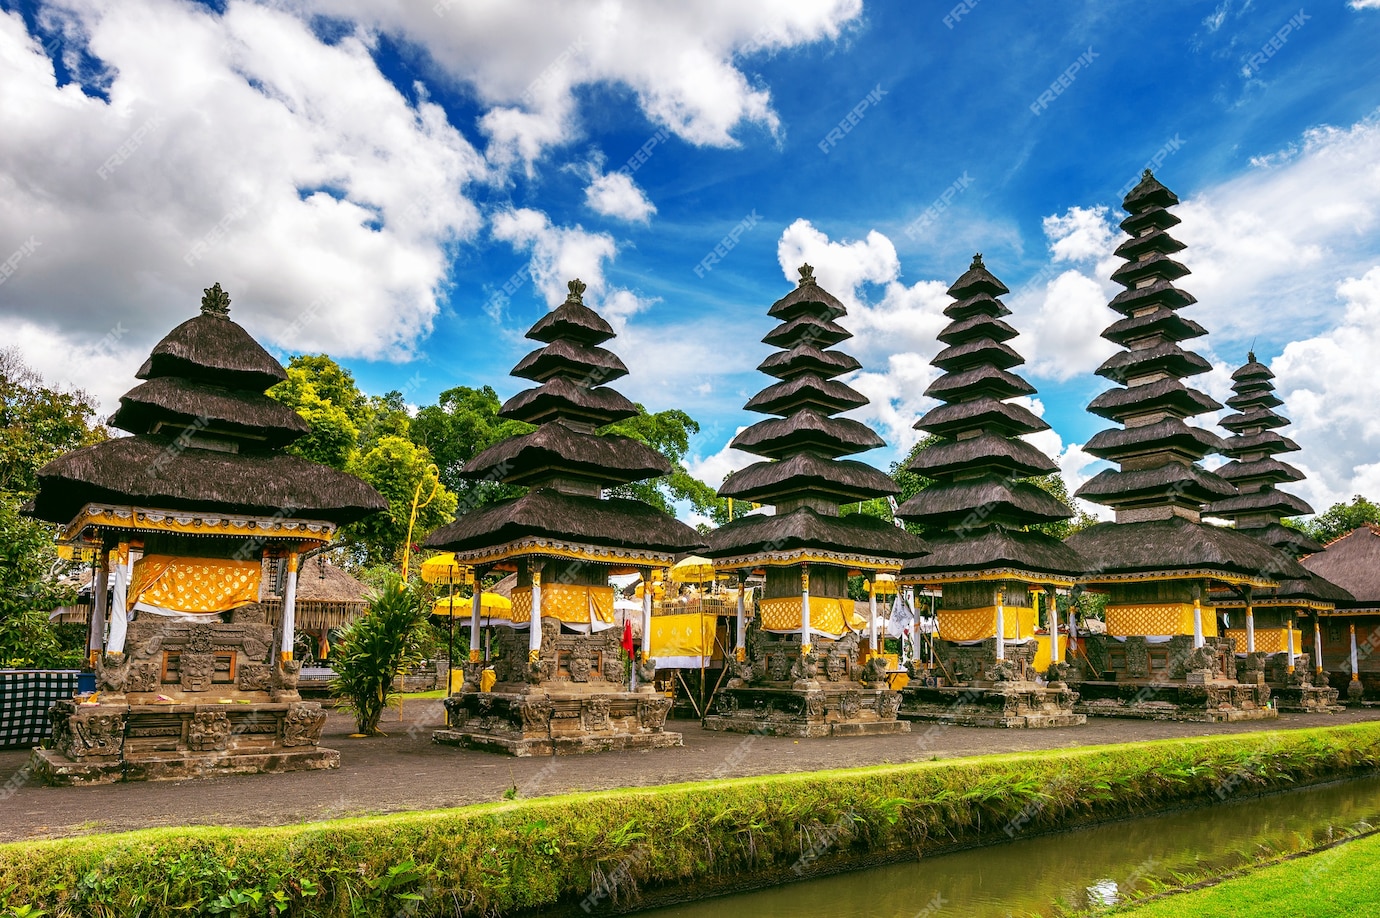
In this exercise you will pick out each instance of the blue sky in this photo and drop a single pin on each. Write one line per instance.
(408, 188)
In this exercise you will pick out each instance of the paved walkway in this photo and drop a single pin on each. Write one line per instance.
(406, 771)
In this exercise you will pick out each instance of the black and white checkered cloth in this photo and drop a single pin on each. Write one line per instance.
(25, 697)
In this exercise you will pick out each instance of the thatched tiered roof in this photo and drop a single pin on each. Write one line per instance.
(802, 473)
(1159, 491)
(979, 497)
(327, 597)
(206, 438)
(1260, 507)
(565, 463)
(1353, 563)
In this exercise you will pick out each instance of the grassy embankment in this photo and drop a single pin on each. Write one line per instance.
(1337, 881)
(598, 849)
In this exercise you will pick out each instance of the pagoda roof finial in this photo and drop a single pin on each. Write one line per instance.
(1147, 174)
(1250, 356)
(577, 291)
(807, 274)
(215, 301)
(977, 262)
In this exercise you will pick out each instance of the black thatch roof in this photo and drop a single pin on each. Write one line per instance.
(808, 298)
(557, 449)
(572, 321)
(1284, 538)
(1255, 419)
(1156, 240)
(994, 548)
(976, 281)
(1159, 323)
(806, 391)
(983, 412)
(559, 398)
(1313, 588)
(807, 329)
(1176, 545)
(1170, 482)
(807, 429)
(572, 360)
(1239, 472)
(1151, 265)
(613, 522)
(211, 348)
(841, 480)
(182, 403)
(806, 358)
(1165, 357)
(158, 472)
(1352, 562)
(1170, 434)
(803, 528)
(977, 326)
(1166, 394)
(1009, 456)
(973, 502)
(1147, 194)
(1268, 500)
(980, 380)
(1160, 293)
(975, 351)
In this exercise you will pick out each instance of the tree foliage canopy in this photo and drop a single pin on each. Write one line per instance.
(1339, 519)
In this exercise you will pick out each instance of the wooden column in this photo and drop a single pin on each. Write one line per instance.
(804, 609)
(1317, 644)
(740, 643)
(1289, 636)
(872, 615)
(95, 640)
(647, 612)
(476, 609)
(119, 608)
(289, 607)
(1001, 624)
(1355, 672)
(534, 633)
(1052, 615)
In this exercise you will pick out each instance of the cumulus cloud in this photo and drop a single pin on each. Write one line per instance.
(616, 195)
(525, 58)
(1364, 4)
(318, 195)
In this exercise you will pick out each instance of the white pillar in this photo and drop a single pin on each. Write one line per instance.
(119, 609)
(1052, 614)
(740, 644)
(100, 583)
(1197, 623)
(1289, 634)
(1250, 628)
(647, 613)
(476, 608)
(872, 616)
(1355, 672)
(804, 608)
(1001, 624)
(289, 607)
(1317, 644)
(534, 633)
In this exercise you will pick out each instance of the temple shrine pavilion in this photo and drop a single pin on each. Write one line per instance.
(1351, 631)
(191, 677)
(990, 566)
(1265, 623)
(800, 669)
(563, 685)
(1161, 655)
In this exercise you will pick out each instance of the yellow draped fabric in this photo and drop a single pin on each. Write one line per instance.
(198, 585)
(491, 606)
(827, 615)
(1267, 640)
(1158, 619)
(689, 635)
(1042, 657)
(565, 602)
(1018, 622)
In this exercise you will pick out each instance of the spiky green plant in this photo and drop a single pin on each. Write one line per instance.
(372, 650)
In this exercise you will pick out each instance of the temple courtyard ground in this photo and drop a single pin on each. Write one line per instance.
(406, 771)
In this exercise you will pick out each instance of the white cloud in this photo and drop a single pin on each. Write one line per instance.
(525, 58)
(316, 182)
(616, 195)
(714, 468)
(559, 254)
(1364, 4)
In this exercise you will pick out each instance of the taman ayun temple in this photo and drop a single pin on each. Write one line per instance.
(989, 565)
(1162, 655)
(1271, 627)
(801, 669)
(1351, 632)
(186, 514)
(562, 683)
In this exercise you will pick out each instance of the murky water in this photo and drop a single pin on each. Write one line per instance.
(1079, 869)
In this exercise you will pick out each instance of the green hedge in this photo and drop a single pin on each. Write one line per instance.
(615, 847)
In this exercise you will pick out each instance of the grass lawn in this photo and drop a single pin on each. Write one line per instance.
(408, 696)
(1344, 880)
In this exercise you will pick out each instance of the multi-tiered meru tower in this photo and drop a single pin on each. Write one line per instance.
(1161, 655)
(801, 669)
(988, 562)
(1265, 623)
(563, 686)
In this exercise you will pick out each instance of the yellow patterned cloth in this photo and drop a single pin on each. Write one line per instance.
(1042, 657)
(198, 585)
(1158, 619)
(690, 635)
(979, 624)
(827, 615)
(1267, 640)
(565, 602)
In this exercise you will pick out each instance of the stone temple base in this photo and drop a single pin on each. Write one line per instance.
(1212, 701)
(1005, 704)
(806, 708)
(558, 719)
(1293, 692)
(105, 743)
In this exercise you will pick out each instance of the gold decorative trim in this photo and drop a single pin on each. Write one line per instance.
(1262, 583)
(807, 556)
(1008, 573)
(142, 519)
(548, 548)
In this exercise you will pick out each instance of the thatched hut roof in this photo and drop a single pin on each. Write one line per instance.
(759, 536)
(559, 398)
(1352, 562)
(557, 449)
(572, 321)
(807, 429)
(327, 597)
(840, 480)
(571, 360)
(1176, 546)
(183, 403)
(809, 329)
(211, 348)
(993, 549)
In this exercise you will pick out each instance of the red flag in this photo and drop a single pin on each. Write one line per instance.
(628, 637)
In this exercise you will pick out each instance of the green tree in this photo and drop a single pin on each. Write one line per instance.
(668, 432)
(396, 467)
(38, 423)
(463, 423)
(325, 395)
(371, 650)
(29, 590)
(1339, 519)
(386, 416)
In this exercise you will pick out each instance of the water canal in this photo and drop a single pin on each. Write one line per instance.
(1049, 874)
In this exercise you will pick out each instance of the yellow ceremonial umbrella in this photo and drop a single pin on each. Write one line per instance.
(693, 569)
(491, 605)
(885, 584)
(443, 568)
